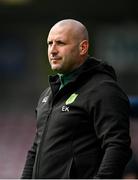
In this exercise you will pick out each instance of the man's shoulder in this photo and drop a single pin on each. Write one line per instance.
(45, 93)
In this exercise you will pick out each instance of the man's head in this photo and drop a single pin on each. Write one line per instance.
(68, 45)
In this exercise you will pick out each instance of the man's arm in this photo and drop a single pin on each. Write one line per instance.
(112, 128)
(28, 168)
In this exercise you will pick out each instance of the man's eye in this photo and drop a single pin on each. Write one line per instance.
(49, 43)
(60, 43)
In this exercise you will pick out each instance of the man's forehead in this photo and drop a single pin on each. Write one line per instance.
(60, 32)
(61, 28)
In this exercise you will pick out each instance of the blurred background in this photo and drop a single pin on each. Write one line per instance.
(24, 26)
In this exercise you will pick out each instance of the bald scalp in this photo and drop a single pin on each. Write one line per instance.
(77, 28)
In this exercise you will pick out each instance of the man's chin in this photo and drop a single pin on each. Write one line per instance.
(56, 69)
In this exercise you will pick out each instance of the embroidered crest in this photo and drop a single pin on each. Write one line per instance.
(71, 99)
(45, 99)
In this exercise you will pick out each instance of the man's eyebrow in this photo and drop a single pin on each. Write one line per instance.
(49, 41)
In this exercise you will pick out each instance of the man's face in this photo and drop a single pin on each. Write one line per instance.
(63, 49)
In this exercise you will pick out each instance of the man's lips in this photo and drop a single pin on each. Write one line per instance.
(55, 59)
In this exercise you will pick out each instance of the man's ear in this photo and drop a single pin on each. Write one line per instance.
(84, 45)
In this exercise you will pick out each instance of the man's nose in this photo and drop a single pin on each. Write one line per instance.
(53, 49)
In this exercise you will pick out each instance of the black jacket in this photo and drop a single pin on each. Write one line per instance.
(83, 129)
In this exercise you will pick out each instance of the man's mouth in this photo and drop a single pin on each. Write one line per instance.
(55, 59)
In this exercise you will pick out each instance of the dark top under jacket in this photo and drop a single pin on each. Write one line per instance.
(82, 129)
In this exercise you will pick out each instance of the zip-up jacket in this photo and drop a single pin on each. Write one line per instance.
(82, 128)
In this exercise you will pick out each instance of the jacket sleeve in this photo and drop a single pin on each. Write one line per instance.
(28, 168)
(30, 159)
(112, 129)
(31, 156)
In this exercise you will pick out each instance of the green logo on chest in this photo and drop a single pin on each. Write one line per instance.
(71, 99)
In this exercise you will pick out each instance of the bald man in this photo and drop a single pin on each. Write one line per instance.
(67, 46)
(82, 117)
